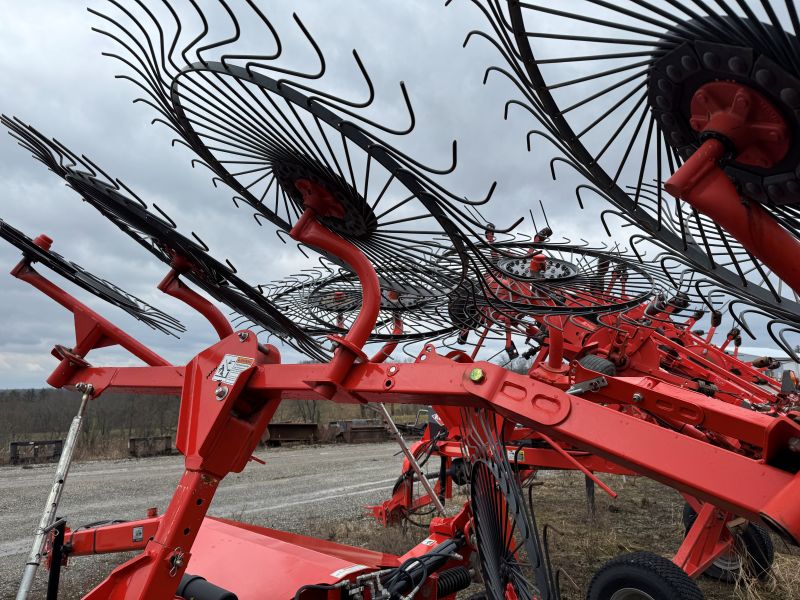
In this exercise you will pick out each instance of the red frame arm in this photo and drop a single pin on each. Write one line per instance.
(91, 330)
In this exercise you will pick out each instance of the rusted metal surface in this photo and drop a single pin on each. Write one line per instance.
(150, 446)
(40, 451)
(358, 431)
(292, 432)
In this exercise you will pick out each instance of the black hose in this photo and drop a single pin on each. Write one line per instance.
(197, 588)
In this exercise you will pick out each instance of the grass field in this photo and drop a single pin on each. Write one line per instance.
(645, 516)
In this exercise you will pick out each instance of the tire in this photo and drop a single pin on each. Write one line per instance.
(459, 471)
(599, 364)
(642, 576)
(754, 544)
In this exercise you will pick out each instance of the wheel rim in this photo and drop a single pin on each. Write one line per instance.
(631, 594)
(729, 562)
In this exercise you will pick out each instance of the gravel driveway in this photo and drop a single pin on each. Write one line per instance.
(297, 486)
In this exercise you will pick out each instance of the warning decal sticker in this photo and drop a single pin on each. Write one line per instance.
(231, 366)
(516, 455)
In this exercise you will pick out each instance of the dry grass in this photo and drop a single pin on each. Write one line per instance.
(645, 516)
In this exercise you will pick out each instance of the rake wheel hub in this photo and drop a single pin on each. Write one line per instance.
(744, 118)
(550, 269)
(692, 91)
(340, 207)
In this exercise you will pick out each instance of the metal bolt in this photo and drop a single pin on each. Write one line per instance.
(243, 335)
(221, 392)
(637, 397)
(477, 375)
(392, 370)
(794, 444)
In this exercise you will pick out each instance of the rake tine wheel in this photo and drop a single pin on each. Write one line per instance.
(640, 98)
(38, 250)
(512, 555)
(261, 128)
(157, 233)
(327, 304)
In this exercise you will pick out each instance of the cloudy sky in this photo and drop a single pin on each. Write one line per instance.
(52, 75)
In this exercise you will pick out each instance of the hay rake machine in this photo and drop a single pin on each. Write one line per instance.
(618, 382)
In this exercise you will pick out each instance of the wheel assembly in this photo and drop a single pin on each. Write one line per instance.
(751, 555)
(649, 85)
(642, 576)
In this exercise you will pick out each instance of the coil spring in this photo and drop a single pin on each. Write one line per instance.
(452, 581)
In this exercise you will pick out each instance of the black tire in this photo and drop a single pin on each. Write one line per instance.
(459, 471)
(754, 551)
(643, 575)
(599, 364)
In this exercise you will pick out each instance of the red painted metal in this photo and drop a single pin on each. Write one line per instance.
(114, 537)
(748, 470)
(389, 347)
(309, 231)
(173, 286)
(214, 443)
(758, 136)
(91, 330)
(706, 540)
(746, 486)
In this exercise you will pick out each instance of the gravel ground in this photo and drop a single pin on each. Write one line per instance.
(297, 486)
(321, 491)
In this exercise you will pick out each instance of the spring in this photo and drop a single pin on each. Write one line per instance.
(452, 581)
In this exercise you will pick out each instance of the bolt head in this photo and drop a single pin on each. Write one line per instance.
(477, 375)
(392, 370)
(243, 335)
(637, 397)
(221, 392)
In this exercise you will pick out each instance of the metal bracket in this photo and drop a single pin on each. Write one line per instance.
(590, 385)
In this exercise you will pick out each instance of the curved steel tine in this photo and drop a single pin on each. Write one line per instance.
(739, 318)
(166, 216)
(293, 73)
(235, 37)
(412, 118)
(544, 214)
(278, 50)
(321, 97)
(781, 340)
(411, 162)
(322, 261)
(199, 241)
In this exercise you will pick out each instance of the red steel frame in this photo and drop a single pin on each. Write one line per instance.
(220, 425)
(736, 119)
